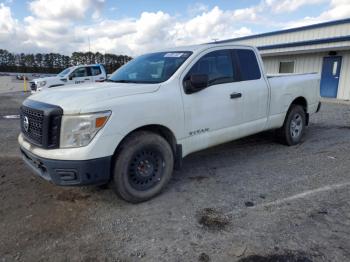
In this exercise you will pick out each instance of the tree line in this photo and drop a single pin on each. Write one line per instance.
(54, 62)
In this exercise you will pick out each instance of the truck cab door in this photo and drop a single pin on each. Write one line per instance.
(80, 75)
(97, 74)
(255, 91)
(213, 114)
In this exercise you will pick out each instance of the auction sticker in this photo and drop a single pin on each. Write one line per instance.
(173, 54)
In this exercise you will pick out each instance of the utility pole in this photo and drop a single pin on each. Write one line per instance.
(89, 50)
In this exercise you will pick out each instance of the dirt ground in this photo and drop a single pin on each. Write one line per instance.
(248, 200)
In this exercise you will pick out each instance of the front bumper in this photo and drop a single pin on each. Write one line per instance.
(70, 172)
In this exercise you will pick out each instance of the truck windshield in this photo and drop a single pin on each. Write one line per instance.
(150, 68)
(64, 72)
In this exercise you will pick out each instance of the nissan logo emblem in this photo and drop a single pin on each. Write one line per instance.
(26, 123)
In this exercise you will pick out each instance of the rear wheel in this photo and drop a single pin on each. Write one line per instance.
(294, 126)
(143, 166)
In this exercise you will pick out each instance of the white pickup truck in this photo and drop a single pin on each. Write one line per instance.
(73, 75)
(132, 130)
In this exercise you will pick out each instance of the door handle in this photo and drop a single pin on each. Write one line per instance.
(87, 79)
(235, 95)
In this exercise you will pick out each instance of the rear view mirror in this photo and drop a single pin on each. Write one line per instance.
(195, 83)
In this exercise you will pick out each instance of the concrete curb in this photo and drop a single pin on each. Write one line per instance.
(335, 101)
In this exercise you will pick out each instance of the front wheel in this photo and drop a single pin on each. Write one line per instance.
(294, 126)
(143, 166)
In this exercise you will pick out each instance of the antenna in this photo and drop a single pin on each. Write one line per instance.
(215, 39)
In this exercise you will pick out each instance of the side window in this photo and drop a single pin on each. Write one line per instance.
(95, 70)
(217, 65)
(80, 72)
(286, 67)
(248, 65)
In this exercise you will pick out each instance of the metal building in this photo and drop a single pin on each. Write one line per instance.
(322, 48)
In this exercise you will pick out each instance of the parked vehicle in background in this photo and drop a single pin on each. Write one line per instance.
(21, 77)
(136, 127)
(72, 75)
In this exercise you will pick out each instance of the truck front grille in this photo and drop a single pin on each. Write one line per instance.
(34, 129)
(41, 123)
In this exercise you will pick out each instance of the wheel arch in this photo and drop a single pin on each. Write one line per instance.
(303, 103)
(164, 132)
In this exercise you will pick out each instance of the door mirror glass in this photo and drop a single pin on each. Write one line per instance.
(196, 83)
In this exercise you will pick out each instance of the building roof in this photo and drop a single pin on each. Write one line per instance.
(291, 30)
(314, 37)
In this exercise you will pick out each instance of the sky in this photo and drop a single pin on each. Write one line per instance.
(135, 27)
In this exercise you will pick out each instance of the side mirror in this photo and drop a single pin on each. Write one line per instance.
(195, 83)
(70, 77)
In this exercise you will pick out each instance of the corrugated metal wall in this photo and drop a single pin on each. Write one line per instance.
(344, 81)
(308, 58)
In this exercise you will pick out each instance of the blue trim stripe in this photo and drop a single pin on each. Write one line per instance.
(309, 42)
(308, 27)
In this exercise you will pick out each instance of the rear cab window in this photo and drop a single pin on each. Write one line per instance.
(247, 64)
(95, 70)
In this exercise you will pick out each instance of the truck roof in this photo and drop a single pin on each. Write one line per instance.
(87, 65)
(201, 47)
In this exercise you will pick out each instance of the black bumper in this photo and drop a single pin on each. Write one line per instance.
(70, 172)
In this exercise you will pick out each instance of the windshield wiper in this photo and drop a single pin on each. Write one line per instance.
(131, 81)
(120, 81)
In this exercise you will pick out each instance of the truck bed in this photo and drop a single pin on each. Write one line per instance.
(283, 89)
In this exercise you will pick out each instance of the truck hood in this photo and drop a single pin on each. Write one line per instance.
(74, 99)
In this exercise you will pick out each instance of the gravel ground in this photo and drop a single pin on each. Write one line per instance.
(248, 200)
(11, 84)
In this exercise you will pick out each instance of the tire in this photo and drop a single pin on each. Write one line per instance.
(294, 125)
(143, 166)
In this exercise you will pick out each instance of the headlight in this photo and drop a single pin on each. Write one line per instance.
(41, 83)
(79, 130)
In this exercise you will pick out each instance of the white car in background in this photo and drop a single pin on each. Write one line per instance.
(73, 75)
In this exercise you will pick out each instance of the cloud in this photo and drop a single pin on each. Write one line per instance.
(285, 6)
(197, 8)
(65, 26)
(51, 27)
(8, 26)
(338, 9)
(60, 26)
(214, 24)
(65, 9)
(158, 30)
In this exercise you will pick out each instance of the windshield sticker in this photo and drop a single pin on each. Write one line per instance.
(173, 54)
